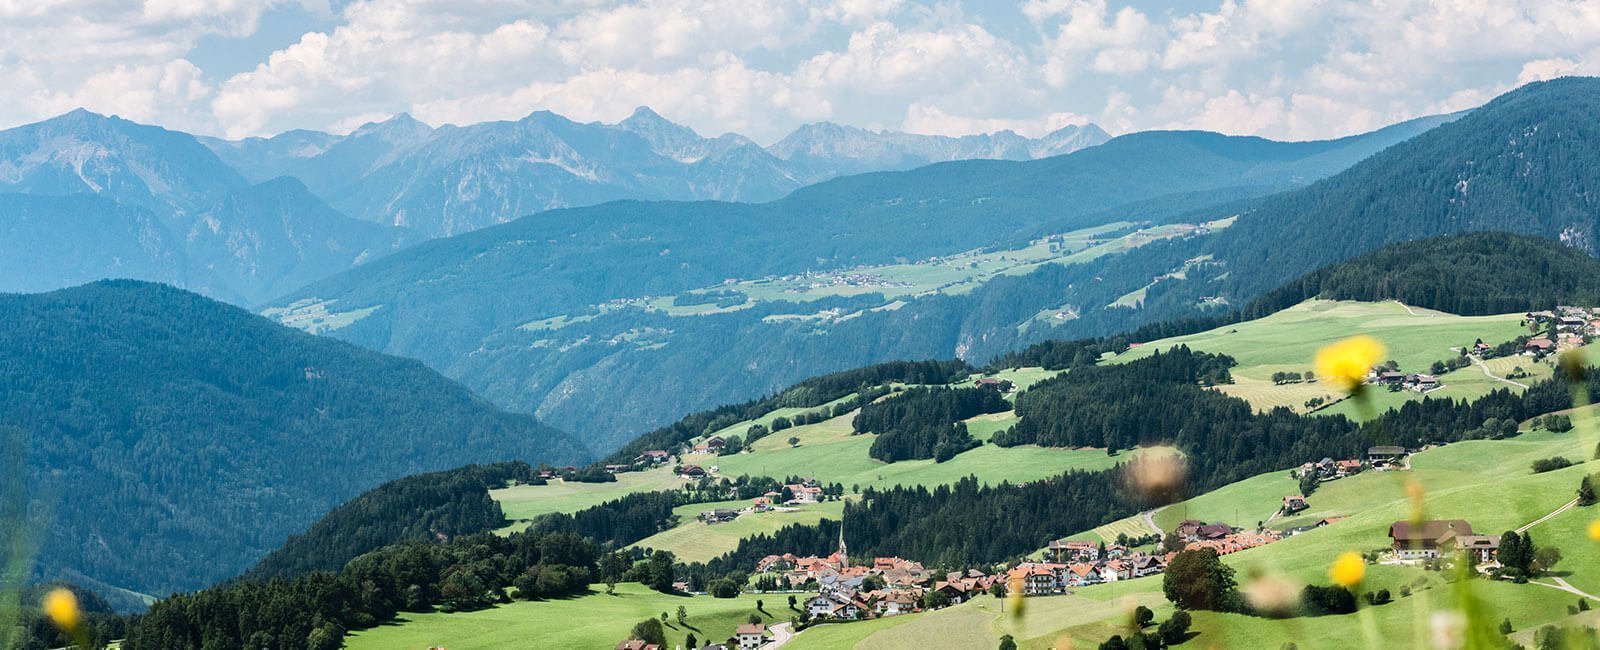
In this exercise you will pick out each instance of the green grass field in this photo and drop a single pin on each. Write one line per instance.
(695, 541)
(829, 452)
(524, 502)
(1487, 483)
(1288, 341)
(596, 620)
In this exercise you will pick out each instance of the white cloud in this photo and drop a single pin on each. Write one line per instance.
(1279, 68)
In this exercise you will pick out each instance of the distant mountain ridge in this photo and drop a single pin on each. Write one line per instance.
(178, 439)
(457, 303)
(85, 197)
(454, 179)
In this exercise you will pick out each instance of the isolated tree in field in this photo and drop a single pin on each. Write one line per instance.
(794, 442)
(998, 590)
(1143, 616)
(649, 631)
(1545, 559)
(690, 641)
(663, 617)
(1008, 643)
(662, 573)
(1586, 493)
(683, 615)
(1198, 579)
(791, 601)
(1309, 484)
(753, 619)
(1175, 629)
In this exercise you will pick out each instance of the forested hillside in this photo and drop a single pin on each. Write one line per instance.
(173, 440)
(1525, 163)
(479, 293)
(436, 506)
(1470, 274)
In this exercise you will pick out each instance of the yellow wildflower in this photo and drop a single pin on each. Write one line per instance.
(1346, 363)
(1348, 570)
(1594, 530)
(61, 605)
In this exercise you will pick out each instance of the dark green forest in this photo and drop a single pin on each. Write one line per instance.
(174, 440)
(436, 506)
(926, 422)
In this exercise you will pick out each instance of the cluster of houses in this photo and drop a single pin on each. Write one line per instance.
(748, 636)
(807, 491)
(903, 586)
(1381, 457)
(1573, 327)
(1388, 377)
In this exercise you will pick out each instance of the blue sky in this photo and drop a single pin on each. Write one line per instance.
(1295, 69)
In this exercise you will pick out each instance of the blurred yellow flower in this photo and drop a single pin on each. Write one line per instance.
(1594, 530)
(61, 605)
(1014, 601)
(1348, 570)
(1346, 363)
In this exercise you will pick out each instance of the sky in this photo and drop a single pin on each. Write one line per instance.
(1284, 69)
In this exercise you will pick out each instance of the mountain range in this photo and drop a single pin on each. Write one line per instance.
(464, 304)
(454, 179)
(85, 197)
(248, 220)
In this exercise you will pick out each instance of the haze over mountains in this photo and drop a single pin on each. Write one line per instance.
(219, 217)
(455, 179)
(465, 304)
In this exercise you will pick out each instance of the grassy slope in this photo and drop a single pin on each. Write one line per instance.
(596, 620)
(1486, 482)
(695, 541)
(829, 452)
(1288, 341)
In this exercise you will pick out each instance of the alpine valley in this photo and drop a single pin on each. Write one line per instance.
(583, 385)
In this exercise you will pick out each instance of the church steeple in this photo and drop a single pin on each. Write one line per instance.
(844, 556)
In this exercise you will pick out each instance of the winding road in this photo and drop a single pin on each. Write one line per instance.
(1569, 505)
(1485, 368)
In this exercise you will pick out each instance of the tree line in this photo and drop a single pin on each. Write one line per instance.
(926, 422)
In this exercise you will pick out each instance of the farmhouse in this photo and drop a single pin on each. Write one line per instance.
(652, 457)
(1342, 468)
(636, 644)
(1037, 579)
(1428, 539)
(804, 493)
(1539, 346)
(1483, 548)
(1063, 550)
(718, 515)
(1293, 504)
(1385, 454)
(692, 471)
(751, 635)
(762, 504)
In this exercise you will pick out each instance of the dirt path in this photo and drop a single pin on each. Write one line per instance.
(1485, 368)
(1561, 583)
(1569, 505)
(781, 634)
(1149, 517)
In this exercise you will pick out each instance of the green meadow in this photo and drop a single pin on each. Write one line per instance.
(1288, 341)
(693, 540)
(596, 620)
